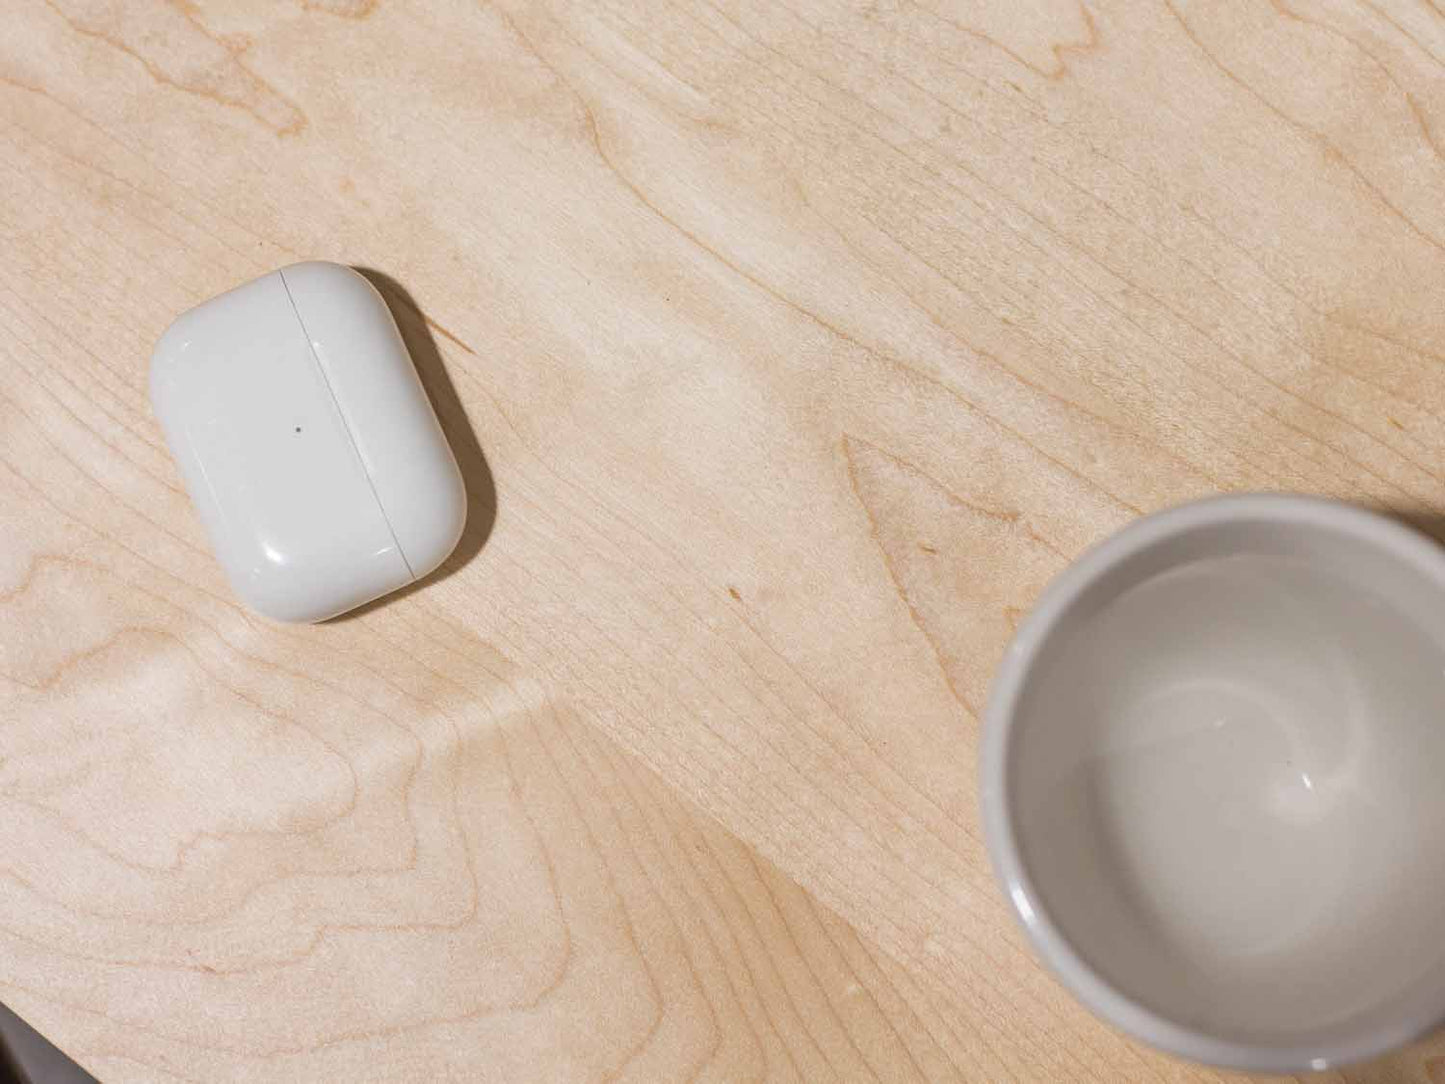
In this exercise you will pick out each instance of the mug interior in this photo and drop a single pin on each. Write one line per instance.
(1224, 774)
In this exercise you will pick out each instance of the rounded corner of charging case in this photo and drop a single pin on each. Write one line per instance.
(307, 442)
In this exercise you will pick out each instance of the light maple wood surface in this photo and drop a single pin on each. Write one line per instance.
(788, 349)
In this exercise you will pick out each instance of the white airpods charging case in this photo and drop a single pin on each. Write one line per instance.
(307, 443)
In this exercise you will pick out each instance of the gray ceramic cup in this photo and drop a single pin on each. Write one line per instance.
(1213, 781)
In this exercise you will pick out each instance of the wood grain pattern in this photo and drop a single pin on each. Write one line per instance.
(789, 348)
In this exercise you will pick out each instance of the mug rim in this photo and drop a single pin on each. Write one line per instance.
(1396, 539)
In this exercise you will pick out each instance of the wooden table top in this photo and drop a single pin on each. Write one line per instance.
(788, 350)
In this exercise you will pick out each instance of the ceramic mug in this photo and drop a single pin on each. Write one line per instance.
(1213, 781)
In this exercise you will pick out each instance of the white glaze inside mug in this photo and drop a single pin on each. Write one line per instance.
(1226, 782)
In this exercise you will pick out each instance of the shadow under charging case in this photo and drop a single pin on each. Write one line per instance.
(307, 442)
